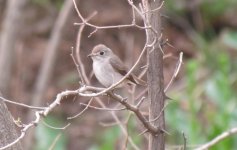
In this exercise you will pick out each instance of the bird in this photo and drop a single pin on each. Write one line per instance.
(109, 69)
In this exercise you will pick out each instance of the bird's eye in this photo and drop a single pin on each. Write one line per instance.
(102, 53)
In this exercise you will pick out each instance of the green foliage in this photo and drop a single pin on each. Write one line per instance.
(107, 139)
(207, 106)
(41, 2)
(57, 3)
(132, 124)
(212, 9)
(46, 136)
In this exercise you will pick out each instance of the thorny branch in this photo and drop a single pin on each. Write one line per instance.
(94, 92)
(83, 76)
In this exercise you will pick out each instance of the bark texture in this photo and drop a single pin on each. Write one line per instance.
(155, 75)
(7, 129)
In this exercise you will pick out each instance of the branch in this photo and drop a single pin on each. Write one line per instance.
(23, 131)
(83, 91)
(52, 146)
(66, 93)
(217, 139)
(152, 129)
(185, 142)
(21, 104)
(133, 24)
(119, 82)
(178, 66)
(162, 110)
(104, 109)
(134, 109)
(97, 98)
(55, 128)
(80, 65)
(38, 115)
(107, 90)
(80, 113)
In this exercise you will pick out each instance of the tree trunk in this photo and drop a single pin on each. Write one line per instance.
(7, 129)
(155, 77)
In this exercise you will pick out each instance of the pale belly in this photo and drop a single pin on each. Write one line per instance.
(106, 74)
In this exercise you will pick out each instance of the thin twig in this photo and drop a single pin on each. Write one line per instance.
(99, 100)
(84, 22)
(162, 110)
(77, 66)
(23, 131)
(55, 128)
(130, 2)
(120, 81)
(112, 26)
(140, 102)
(143, 132)
(141, 94)
(109, 124)
(60, 96)
(127, 135)
(80, 113)
(21, 104)
(218, 138)
(104, 109)
(158, 8)
(55, 141)
(152, 129)
(185, 141)
(78, 45)
(178, 66)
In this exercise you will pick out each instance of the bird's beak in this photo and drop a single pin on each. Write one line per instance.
(91, 55)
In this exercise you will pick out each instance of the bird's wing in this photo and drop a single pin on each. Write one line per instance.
(118, 66)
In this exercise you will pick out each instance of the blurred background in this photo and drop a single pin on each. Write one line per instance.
(204, 93)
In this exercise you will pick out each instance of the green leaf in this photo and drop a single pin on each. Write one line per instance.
(108, 139)
(46, 136)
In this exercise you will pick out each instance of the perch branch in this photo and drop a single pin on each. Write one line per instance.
(104, 109)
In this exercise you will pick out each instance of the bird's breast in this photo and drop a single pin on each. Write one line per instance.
(105, 73)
